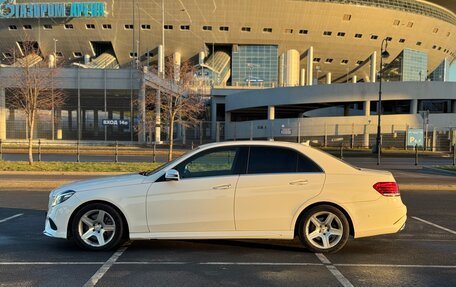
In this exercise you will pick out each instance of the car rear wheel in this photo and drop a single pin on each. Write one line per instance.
(97, 226)
(324, 229)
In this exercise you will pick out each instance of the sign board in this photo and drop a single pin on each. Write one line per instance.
(285, 131)
(11, 10)
(415, 137)
(118, 123)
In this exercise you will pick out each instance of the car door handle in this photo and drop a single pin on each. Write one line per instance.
(299, 182)
(224, 186)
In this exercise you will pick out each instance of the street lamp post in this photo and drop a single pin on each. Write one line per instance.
(52, 91)
(383, 55)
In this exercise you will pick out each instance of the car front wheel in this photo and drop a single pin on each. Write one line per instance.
(97, 226)
(324, 229)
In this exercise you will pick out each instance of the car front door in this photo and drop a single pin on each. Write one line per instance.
(203, 199)
(277, 182)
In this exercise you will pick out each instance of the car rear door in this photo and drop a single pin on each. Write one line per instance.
(277, 182)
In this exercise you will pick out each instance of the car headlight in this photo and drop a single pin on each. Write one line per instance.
(62, 197)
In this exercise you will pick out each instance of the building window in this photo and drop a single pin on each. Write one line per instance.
(396, 22)
(359, 62)
(317, 60)
(168, 27)
(409, 24)
(389, 39)
(328, 61)
(47, 27)
(401, 40)
(246, 29)
(207, 28)
(303, 32)
(129, 26)
(358, 36)
(374, 37)
(27, 27)
(133, 54)
(288, 31)
(90, 26)
(327, 33)
(77, 54)
(224, 28)
(344, 62)
(267, 30)
(347, 17)
(68, 26)
(435, 31)
(185, 27)
(145, 27)
(59, 54)
(418, 43)
(106, 26)
(440, 48)
(341, 34)
(434, 47)
(7, 55)
(12, 27)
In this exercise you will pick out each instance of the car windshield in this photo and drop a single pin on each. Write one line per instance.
(150, 172)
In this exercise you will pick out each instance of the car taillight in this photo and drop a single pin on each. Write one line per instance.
(387, 188)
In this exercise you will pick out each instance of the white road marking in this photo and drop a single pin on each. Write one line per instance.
(262, 263)
(105, 267)
(51, 263)
(435, 225)
(334, 271)
(11, 217)
(397, 265)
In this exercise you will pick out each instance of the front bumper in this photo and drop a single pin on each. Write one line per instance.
(57, 218)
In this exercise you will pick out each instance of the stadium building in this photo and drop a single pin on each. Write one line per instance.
(272, 68)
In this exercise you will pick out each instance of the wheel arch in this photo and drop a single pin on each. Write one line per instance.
(343, 210)
(126, 232)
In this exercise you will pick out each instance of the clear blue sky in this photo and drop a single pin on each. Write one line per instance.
(453, 72)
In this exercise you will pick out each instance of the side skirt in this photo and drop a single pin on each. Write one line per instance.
(215, 235)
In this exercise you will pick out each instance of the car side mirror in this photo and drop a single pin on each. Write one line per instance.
(172, 174)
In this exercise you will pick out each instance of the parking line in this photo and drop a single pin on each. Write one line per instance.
(435, 225)
(263, 263)
(334, 271)
(397, 265)
(105, 267)
(51, 263)
(11, 217)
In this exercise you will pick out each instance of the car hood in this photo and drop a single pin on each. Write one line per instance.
(102, 182)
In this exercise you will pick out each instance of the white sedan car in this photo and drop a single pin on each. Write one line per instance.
(232, 190)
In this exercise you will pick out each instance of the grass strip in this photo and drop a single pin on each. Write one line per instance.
(81, 167)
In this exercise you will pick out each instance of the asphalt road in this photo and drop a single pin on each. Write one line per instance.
(421, 255)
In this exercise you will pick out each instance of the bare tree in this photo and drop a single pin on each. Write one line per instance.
(183, 107)
(34, 88)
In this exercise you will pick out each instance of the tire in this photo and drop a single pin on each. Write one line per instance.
(98, 227)
(324, 229)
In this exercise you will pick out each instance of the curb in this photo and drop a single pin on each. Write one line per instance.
(440, 170)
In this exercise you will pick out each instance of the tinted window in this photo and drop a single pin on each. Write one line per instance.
(278, 160)
(215, 162)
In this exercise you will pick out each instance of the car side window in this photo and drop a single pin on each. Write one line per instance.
(278, 160)
(215, 162)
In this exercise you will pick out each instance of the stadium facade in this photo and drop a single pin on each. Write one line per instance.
(273, 68)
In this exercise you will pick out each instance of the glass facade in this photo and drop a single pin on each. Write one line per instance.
(410, 65)
(254, 65)
(440, 73)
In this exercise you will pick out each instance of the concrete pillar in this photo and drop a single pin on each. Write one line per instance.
(366, 137)
(59, 123)
(158, 117)
(271, 113)
(367, 108)
(414, 107)
(213, 118)
(51, 61)
(86, 59)
(328, 78)
(354, 79)
(95, 122)
(177, 66)
(302, 81)
(373, 69)
(291, 73)
(142, 111)
(201, 57)
(161, 59)
(310, 56)
(367, 79)
(281, 69)
(2, 114)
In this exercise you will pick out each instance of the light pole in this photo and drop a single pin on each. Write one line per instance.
(52, 91)
(383, 55)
